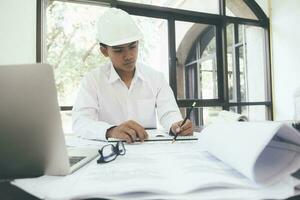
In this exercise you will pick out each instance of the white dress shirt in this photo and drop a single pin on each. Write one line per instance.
(104, 101)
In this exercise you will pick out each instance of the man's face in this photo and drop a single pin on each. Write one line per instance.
(122, 56)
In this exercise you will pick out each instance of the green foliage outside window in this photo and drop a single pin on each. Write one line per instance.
(71, 46)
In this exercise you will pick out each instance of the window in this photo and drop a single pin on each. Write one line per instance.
(216, 55)
(259, 112)
(211, 6)
(246, 65)
(200, 65)
(238, 8)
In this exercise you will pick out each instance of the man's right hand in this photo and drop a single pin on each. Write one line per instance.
(128, 131)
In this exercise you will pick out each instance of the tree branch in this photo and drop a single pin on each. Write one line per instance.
(66, 45)
(88, 52)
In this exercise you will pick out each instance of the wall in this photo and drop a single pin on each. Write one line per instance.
(17, 31)
(255, 71)
(285, 31)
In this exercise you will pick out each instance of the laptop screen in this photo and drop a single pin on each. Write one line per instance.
(31, 135)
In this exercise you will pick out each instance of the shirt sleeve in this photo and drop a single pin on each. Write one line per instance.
(86, 111)
(167, 108)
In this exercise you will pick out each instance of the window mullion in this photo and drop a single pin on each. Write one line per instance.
(172, 56)
(222, 7)
(237, 66)
(222, 68)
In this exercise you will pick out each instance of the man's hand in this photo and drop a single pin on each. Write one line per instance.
(128, 131)
(186, 129)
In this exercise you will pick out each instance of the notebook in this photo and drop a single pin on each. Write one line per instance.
(31, 135)
(155, 135)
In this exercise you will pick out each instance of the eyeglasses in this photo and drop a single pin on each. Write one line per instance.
(110, 152)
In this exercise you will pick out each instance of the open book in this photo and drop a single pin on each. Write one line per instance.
(264, 152)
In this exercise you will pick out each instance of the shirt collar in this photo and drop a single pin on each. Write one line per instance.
(139, 72)
(114, 76)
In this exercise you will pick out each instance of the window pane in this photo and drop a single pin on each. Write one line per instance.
(243, 78)
(153, 48)
(241, 34)
(71, 47)
(238, 8)
(211, 6)
(254, 113)
(203, 115)
(230, 62)
(196, 61)
(255, 64)
(246, 65)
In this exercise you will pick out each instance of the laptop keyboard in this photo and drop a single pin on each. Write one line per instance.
(75, 159)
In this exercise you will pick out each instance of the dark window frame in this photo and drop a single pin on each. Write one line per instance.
(171, 15)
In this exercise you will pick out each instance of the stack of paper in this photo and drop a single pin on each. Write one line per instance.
(173, 171)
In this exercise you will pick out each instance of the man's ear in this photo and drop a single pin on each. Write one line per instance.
(104, 51)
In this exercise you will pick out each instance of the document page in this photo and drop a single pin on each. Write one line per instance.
(247, 147)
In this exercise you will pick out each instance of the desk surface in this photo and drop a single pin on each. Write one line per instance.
(10, 192)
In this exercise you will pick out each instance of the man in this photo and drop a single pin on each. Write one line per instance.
(122, 98)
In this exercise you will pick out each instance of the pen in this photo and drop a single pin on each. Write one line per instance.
(186, 117)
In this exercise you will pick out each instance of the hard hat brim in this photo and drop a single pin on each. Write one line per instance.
(123, 41)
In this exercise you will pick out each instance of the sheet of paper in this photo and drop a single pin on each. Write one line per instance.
(281, 190)
(240, 145)
(75, 141)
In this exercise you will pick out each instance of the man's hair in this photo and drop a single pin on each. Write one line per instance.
(103, 45)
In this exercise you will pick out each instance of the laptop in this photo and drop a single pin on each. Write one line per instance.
(31, 136)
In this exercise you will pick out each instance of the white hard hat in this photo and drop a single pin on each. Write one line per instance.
(116, 27)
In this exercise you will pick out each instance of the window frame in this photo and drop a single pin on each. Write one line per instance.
(220, 21)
